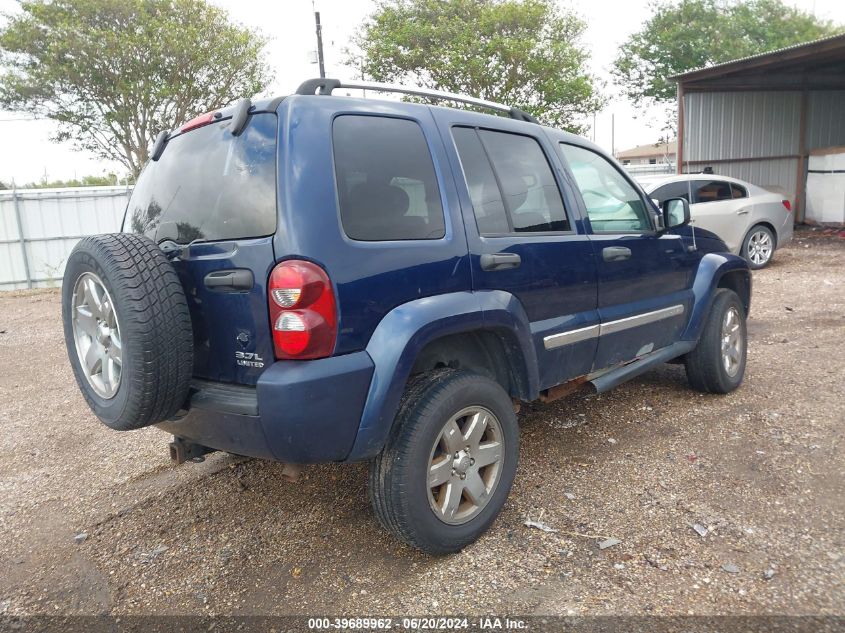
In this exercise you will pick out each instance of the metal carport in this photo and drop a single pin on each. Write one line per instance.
(757, 118)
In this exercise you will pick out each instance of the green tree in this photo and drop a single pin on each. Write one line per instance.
(114, 73)
(525, 53)
(689, 34)
(86, 181)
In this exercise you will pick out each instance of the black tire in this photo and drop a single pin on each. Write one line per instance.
(754, 233)
(705, 368)
(154, 325)
(399, 475)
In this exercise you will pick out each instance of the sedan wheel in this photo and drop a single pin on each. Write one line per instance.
(759, 247)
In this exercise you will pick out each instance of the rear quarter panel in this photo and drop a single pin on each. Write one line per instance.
(769, 209)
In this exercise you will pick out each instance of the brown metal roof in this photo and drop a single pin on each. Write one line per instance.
(786, 67)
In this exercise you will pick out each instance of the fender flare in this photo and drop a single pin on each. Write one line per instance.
(408, 328)
(711, 269)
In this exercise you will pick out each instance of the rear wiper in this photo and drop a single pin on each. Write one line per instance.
(172, 249)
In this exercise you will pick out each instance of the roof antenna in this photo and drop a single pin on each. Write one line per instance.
(694, 247)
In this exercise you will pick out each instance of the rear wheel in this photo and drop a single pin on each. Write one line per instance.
(717, 364)
(758, 247)
(127, 330)
(449, 464)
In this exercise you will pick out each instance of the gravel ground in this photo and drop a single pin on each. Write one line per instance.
(93, 521)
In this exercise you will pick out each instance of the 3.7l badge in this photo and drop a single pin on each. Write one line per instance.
(248, 359)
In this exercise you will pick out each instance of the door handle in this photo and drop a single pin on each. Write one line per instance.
(615, 253)
(742, 211)
(500, 261)
(229, 280)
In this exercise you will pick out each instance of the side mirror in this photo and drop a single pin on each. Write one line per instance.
(675, 213)
(658, 217)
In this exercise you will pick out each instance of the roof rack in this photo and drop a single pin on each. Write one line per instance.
(325, 87)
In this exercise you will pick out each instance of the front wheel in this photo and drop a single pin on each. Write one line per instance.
(717, 364)
(449, 463)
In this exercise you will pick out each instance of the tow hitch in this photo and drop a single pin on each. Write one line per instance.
(182, 451)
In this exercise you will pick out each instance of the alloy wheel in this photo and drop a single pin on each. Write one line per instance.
(731, 342)
(760, 247)
(465, 465)
(96, 334)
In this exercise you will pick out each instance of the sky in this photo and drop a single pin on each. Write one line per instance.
(27, 154)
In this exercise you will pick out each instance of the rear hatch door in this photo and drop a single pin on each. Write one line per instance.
(210, 201)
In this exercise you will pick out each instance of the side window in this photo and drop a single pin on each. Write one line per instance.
(671, 190)
(738, 191)
(613, 204)
(487, 204)
(386, 183)
(711, 191)
(528, 186)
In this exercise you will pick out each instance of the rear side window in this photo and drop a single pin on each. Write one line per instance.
(738, 191)
(510, 183)
(671, 190)
(711, 191)
(210, 185)
(386, 185)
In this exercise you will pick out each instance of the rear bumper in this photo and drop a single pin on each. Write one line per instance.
(300, 411)
(785, 231)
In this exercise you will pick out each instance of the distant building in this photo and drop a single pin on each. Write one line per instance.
(652, 154)
(775, 119)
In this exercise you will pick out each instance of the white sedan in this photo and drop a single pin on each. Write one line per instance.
(752, 221)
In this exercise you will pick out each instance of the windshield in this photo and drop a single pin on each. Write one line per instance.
(209, 185)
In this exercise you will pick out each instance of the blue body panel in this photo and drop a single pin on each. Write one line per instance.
(556, 281)
(219, 318)
(712, 268)
(394, 298)
(308, 411)
(370, 278)
(405, 331)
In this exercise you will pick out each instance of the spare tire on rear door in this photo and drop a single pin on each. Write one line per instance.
(127, 330)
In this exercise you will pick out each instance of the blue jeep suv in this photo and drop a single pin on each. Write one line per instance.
(319, 278)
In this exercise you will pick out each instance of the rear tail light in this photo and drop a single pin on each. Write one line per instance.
(302, 311)
(787, 204)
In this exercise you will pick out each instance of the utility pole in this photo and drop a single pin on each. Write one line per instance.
(320, 45)
(613, 135)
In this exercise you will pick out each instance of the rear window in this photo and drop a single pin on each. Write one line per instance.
(711, 191)
(209, 185)
(386, 185)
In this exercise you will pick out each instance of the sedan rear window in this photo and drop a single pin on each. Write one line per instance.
(679, 189)
(711, 191)
(209, 185)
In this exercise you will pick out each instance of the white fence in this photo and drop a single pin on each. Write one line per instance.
(650, 170)
(39, 228)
